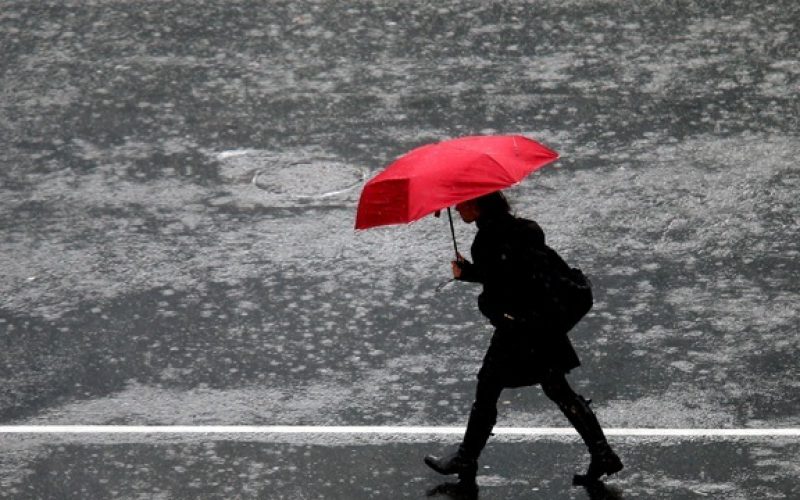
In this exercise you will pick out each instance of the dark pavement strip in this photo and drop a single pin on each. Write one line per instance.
(263, 468)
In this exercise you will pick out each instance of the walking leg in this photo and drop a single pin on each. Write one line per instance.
(482, 418)
(583, 419)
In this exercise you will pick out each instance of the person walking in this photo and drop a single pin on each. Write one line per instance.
(530, 344)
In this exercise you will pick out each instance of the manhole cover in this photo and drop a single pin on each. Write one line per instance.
(281, 176)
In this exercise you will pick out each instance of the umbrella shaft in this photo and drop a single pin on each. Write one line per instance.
(452, 231)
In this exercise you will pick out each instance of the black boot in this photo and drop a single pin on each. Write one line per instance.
(461, 463)
(604, 460)
(482, 418)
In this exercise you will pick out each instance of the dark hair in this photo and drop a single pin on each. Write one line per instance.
(493, 204)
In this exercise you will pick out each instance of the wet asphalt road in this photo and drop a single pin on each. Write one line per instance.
(177, 191)
(540, 470)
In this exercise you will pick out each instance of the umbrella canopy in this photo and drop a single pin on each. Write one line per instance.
(439, 175)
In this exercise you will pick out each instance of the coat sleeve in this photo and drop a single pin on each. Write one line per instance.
(492, 260)
(514, 274)
(503, 253)
(492, 255)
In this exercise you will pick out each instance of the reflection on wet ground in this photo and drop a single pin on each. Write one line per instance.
(178, 183)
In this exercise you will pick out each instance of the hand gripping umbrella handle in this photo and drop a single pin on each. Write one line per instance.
(452, 231)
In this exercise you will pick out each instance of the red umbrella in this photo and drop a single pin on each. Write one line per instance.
(439, 175)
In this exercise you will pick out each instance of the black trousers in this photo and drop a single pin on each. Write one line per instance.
(483, 415)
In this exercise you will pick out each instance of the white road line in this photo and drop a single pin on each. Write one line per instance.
(379, 430)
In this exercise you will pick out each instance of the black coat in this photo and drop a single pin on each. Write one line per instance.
(525, 344)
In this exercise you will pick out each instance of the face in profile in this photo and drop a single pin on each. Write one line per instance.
(468, 210)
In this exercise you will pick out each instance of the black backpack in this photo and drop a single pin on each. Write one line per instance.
(571, 292)
(559, 294)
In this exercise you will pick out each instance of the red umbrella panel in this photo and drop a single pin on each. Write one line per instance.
(440, 175)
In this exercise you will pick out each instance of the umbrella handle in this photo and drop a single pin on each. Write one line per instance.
(452, 231)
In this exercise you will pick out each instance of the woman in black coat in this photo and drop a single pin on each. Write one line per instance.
(529, 346)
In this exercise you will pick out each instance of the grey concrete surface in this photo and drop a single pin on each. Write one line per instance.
(177, 191)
